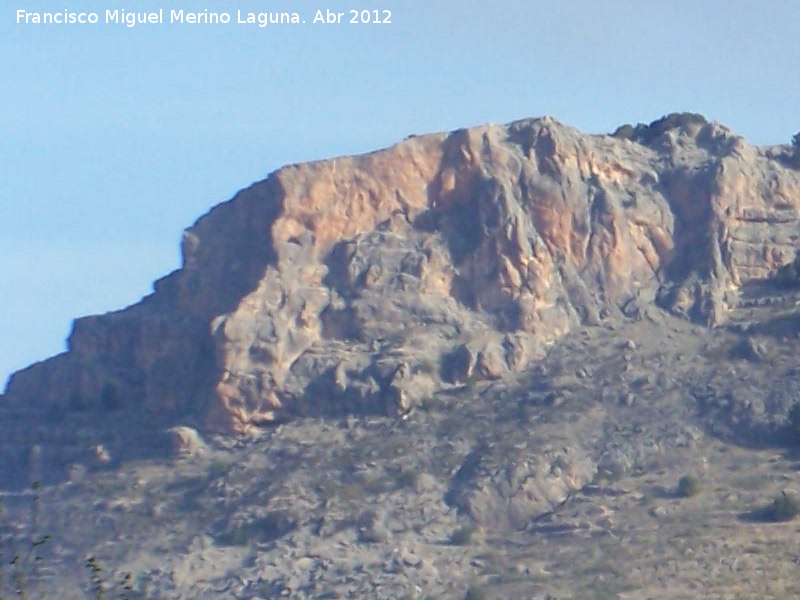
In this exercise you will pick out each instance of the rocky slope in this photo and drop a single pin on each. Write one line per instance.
(431, 354)
(560, 483)
(362, 284)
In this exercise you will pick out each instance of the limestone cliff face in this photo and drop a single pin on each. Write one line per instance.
(365, 284)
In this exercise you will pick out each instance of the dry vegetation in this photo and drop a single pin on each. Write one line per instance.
(683, 504)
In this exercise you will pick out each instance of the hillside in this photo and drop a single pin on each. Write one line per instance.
(479, 360)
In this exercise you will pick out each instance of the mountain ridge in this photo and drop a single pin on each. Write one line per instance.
(510, 361)
(370, 282)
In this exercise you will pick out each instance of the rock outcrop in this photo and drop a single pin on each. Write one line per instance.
(365, 284)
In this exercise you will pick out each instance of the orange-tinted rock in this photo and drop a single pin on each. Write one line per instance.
(353, 285)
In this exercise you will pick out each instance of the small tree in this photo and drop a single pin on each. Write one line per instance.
(789, 274)
(462, 535)
(688, 486)
(783, 508)
(793, 424)
(475, 593)
(795, 156)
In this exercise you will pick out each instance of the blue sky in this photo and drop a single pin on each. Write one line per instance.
(114, 139)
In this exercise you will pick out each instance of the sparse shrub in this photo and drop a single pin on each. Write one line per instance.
(644, 134)
(429, 367)
(100, 584)
(23, 564)
(750, 349)
(795, 157)
(673, 121)
(20, 569)
(267, 528)
(462, 536)
(793, 426)
(217, 468)
(426, 406)
(646, 500)
(783, 508)
(475, 593)
(749, 482)
(789, 274)
(96, 577)
(688, 486)
(407, 478)
(237, 536)
(625, 132)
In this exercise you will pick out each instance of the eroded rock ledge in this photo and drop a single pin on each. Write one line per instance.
(365, 284)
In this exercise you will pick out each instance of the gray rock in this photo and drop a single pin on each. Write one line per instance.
(524, 232)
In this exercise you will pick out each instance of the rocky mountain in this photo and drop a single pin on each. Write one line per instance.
(363, 284)
(465, 332)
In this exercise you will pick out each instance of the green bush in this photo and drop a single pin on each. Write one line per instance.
(793, 426)
(462, 535)
(218, 467)
(407, 478)
(688, 486)
(789, 274)
(783, 508)
(475, 593)
(625, 132)
(644, 134)
(237, 536)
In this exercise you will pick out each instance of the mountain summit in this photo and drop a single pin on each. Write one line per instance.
(481, 329)
(361, 285)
